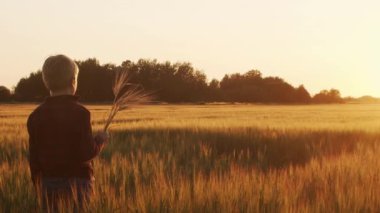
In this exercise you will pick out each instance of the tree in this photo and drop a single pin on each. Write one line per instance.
(178, 82)
(328, 97)
(95, 80)
(252, 87)
(214, 93)
(31, 88)
(5, 94)
(302, 95)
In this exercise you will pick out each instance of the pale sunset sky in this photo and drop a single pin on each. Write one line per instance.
(322, 44)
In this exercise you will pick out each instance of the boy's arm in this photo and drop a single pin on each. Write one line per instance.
(33, 158)
(90, 146)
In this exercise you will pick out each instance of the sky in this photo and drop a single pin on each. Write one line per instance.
(321, 44)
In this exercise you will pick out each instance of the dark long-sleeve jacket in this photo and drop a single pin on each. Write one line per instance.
(60, 139)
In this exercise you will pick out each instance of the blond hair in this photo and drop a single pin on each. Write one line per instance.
(59, 72)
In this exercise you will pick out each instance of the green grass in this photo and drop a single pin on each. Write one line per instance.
(218, 158)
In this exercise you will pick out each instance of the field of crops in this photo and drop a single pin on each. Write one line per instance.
(217, 158)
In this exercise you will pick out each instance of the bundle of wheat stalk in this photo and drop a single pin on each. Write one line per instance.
(126, 95)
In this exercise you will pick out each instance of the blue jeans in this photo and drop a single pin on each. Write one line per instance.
(77, 190)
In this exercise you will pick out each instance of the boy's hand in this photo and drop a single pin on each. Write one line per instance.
(102, 138)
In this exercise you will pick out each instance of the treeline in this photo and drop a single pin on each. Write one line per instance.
(173, 83)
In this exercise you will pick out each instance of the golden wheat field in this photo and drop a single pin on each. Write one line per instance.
(217, 158)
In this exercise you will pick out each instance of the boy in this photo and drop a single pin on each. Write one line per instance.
(61, 144)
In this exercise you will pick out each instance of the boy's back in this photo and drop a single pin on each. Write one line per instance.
(61, 143)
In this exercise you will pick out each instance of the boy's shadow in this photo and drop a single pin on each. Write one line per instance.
(208, 150)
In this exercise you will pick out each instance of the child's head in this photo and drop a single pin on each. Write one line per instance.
(60, 74)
